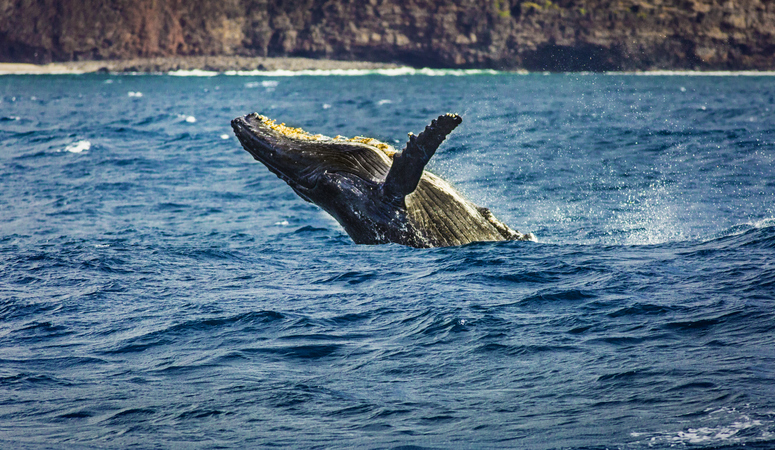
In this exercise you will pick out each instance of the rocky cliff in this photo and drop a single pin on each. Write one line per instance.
(505, 34)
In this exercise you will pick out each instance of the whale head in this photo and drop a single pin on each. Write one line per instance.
(342, 176)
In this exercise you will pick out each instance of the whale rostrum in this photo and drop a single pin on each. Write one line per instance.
(377, 194)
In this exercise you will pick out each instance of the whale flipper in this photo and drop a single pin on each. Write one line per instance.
(408, 166)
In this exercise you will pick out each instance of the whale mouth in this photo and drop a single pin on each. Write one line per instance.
(251, 140)
(265, 146)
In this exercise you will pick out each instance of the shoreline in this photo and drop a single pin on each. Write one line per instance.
(243, 65)
(190, 63)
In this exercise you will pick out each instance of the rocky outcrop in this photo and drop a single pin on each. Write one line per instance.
(503, 34)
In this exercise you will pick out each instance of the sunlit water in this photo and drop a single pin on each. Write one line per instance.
(160, 289)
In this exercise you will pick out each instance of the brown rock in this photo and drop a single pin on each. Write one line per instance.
(505, 34)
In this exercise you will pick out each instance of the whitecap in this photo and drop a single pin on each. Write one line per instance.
(726, 426)
(135, 94)
(193, 73)
(384, 101)
(78, 147)
(224, 136)
(764, 223)
(398, 71)
(190, 119)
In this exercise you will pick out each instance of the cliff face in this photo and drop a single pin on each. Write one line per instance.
(504, 34)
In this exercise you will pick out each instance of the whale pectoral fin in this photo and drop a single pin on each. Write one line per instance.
(407, 168)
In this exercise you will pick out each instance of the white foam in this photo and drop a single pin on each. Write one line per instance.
(193, 73)
(384, 101)
(268, 84)
(134, 94)
(224, 136)
(718, 434)
(190, 119)
(398, 71)
(714, 434)
(78, 147)
(764, 223)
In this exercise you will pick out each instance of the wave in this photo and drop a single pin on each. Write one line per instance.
(756, 228)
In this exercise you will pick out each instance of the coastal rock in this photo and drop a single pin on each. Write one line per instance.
(564, 35)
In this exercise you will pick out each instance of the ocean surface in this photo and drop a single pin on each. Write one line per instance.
(161, 289)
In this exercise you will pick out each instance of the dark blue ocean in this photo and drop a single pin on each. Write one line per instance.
(161, 289)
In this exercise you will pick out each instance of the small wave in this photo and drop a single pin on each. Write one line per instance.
(748, 233)
(641, 309)
(78, 147)
(573, 295)
(130, 415)
(350, 277)
(522, 350)
(79, 414)
(303, 352)
(309, 229)
(245, 321)
(31, 379)
(199, 414)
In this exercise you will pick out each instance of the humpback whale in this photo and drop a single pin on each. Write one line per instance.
(377, 194)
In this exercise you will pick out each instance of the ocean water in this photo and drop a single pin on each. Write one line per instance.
(160, 289)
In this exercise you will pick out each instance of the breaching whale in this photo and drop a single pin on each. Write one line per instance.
(377, 194)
